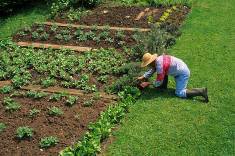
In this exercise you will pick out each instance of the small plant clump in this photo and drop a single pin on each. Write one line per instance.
(34, 112)
(35, 95)
(6, 89)
(56, 97)
(89, 103)
(10, 104)
(71, 100)
(24, 132)
(48, 142)
(55, 111)
(48, 82)
(2, 127)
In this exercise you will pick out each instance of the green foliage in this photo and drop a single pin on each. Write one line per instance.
(35, 35)
(10, 104)
(54, 28)
(155, 41)
(34, 112)
(24, 132)
(44, 36)
(55, 111)
(56, 97)
(71, 100)
(21, 78)
(36, 95)
(48, 142)
(155, 3)
(91, 142)
(120, 35)
(89, 102)
(48, 82)
(2, 127)
(6, 89)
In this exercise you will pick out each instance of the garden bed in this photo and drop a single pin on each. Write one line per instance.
(68, 127)
(139, 17)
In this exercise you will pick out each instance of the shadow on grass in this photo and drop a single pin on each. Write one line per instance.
(152, 93)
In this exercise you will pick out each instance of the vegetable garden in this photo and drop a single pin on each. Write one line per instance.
(53, 97)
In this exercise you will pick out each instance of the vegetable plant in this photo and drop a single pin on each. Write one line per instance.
(55, 111)
(59, 36)
(48, 82)
(24, 132)
(35, 95)
(2, 127)
(104, 35)
(56, 97)
(34, 112)
(120, 35)
(89, 102)
(53, 28)
(47, 142)
(71, 100)
(44, 36)
(35, 35)
(10, 104)
(6, 89)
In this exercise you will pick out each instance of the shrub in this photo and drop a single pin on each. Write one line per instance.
(24, 132)
(48, 142)
(55, 111)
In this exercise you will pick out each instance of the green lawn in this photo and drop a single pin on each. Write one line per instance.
(161, 124)
(24, 17)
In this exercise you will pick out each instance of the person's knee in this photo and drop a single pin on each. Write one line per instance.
(180, 93)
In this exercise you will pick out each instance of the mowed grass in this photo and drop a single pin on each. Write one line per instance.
(161, 124)
(24, 17)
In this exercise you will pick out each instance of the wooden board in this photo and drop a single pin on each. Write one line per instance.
(98, 27)
(54, 46)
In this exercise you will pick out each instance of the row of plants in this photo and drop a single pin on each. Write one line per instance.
(69, 34)
(90, 144)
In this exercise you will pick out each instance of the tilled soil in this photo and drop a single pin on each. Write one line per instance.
(103, 43)
(67, 128)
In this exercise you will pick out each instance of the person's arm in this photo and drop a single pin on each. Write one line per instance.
(158, 82)
(149, 73)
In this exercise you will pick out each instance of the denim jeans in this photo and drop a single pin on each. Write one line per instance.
(181, 84)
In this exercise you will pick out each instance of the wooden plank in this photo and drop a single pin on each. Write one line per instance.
(69, 91)
(152, 12)
(98, 27)
(141, 14)
(4, 83)
(54, 46)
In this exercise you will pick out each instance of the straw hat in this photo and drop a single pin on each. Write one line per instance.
(147, 59)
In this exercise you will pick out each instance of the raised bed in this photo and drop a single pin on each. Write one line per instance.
(126, 16)
(68, 127)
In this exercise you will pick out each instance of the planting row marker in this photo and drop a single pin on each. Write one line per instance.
(98, 27)
(4, 83)
(141, 14)
(54, 46)
(65, 90)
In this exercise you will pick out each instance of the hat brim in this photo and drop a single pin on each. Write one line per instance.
(144, 64)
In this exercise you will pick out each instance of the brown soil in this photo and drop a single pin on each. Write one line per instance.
(128, 40)
(117, 16)
(67, 128)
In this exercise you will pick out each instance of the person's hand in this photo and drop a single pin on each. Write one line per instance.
(141, 78)
(144, 84)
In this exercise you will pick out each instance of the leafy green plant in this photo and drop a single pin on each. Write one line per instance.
(56, 97)
(2, 127)
(24, 132)
(65, 32)
(47, 142)
(103, 78)
(78, 32)
(89, 102)
(44, 36)
(21, 33)
(40, 29)
(90, 35)
(71, 100)
(10, 104)
(36, 95)
(48, 82)
(18, 94)
(94, 27)
(109, 40)
(67, 37)
(34, 112)
(6, 89)
(54, 28)
(59, 36)
(104, 35)
(120, 35)
(21, 79)
(35, 35)
(55, 111)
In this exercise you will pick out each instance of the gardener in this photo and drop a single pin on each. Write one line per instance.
(166, 65)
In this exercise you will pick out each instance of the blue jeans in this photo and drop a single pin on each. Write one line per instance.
(181, 84)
